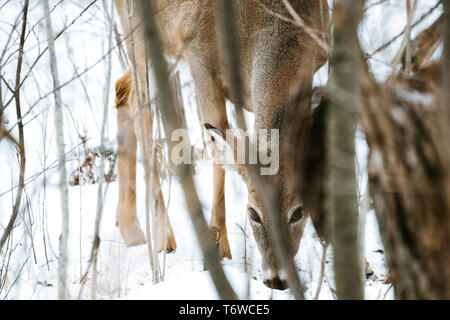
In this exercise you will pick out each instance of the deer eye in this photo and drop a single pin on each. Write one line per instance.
(254, 215)
(297, 215)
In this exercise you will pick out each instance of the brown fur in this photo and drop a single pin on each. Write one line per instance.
(123, 89)
(278, 59)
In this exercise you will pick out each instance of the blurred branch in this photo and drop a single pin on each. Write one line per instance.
(410, 14)
(445, 88)
(5, 134)
(184, 172)
(405, 50)
(424, 45)
(367, 8)
(322, 270)
(311, 32)
(445, 109)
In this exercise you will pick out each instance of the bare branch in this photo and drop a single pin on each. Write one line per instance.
(16, 207)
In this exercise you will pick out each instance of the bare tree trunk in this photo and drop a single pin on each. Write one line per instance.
(342, 121)
(184, 172)
(445, 106)
(59, 127)
(445, 87)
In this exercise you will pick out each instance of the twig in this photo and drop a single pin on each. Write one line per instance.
(406, 44)
(45, 50)
(36, 175)
(312, 33)
(21, 134)
(322, 270)
(387, 44)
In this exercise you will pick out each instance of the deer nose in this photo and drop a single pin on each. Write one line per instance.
(276, 283)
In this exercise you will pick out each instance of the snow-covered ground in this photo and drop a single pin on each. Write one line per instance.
(124, 273)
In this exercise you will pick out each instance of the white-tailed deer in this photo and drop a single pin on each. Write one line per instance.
(278, 59)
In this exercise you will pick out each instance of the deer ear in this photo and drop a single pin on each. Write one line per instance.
(217, 137)
(224, 152)
(215, 133)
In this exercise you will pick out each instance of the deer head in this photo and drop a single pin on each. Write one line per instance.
(277, 169)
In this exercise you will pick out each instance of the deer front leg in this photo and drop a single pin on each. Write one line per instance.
(218, 221)
(211, 99)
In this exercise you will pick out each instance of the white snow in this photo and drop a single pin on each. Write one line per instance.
(124, 273)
